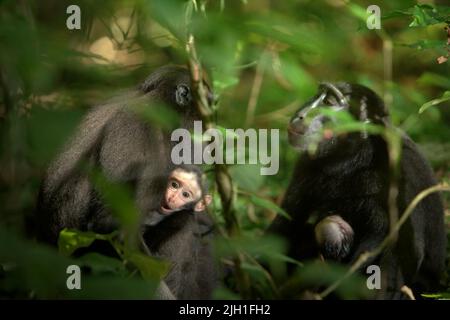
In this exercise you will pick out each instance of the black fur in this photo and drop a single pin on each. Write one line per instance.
(128, 150)
(350, 177)
(181, 240)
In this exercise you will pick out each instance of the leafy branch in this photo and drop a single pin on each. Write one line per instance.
(223, 178)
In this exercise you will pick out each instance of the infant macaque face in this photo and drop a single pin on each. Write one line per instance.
(183, 192)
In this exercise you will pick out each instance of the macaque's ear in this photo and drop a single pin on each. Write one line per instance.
(207, 198)
(183, 95)
(203, 203)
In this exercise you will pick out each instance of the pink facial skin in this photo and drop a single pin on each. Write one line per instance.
(182, 189)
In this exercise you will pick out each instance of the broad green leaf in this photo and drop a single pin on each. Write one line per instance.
(100, 264)
(247, 176)
(300, 79)
(70, 240)
(119, 198)
(358, 11)
(150, 268)
(434, 79)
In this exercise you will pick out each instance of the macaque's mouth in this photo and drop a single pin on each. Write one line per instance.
(295, 131)
(294, 136)
(165, 207)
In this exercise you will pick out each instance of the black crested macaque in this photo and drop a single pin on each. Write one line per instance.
(126, 149)
(348, 175)
(180, 233)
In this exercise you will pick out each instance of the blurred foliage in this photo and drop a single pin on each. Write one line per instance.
(265, 58)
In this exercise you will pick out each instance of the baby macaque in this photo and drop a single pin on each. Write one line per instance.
(185, 191)
(334, 237)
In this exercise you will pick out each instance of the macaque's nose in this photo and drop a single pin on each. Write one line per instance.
(297, 126)
(170, 196)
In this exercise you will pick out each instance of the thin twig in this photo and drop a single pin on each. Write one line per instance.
(267, 274)
(387, 68)
(256, 89)
(394, 149)
(283, 112)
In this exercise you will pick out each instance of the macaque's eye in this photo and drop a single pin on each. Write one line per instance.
(174, 184)
(186, 194)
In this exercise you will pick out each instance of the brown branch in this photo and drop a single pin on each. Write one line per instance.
(198, 88)
(223, 179)
(254, 93)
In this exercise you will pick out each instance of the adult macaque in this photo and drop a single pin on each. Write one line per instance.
(350, 174)
(126, 149)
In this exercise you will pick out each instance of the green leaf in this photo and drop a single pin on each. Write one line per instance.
(358, 11)
(149, 267)
(300, 79)
(70, 240)
(158, 114)
(114, 288)
(119, 198)
(259, 278)
(263, 247)
(247, 176)
(59, 125)
(227, 133)
(29, 267)
(224, 81)
(285, 258)
(344, 122)
(423, 15)
(434, 102)
(223, 293)
(170, 14)
(434, 79)
(433, 295)
(267, 204)
(100, 264)
(426, 44)
(318, 274)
